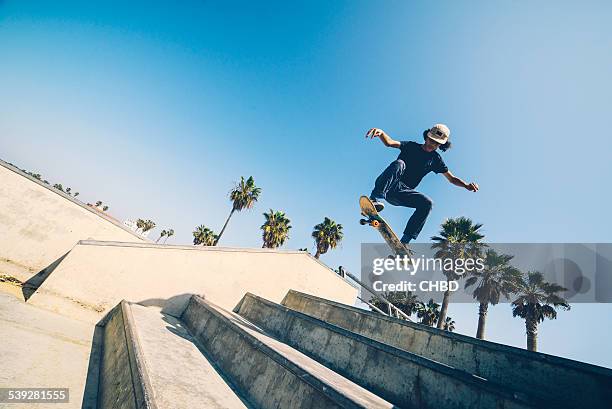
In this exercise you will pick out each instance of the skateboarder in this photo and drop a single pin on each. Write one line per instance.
(398, 182)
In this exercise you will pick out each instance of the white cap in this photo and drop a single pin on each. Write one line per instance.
(439, 133)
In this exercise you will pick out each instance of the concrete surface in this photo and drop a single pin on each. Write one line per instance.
(551, 378)
(170, 353)
(270, 373)
(403, 378)
(42, 349)
(95, 276)
(39, 224)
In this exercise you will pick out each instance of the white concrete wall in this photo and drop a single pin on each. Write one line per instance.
(39, 224)
(95, 276)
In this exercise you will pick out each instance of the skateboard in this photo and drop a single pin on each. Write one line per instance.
(373, 219)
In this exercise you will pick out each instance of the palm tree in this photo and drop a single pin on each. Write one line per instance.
(98, 203)
(498, 278)
(449, 324)
(105, 208)
(59, 187)
(536, 301)
(148, 225)
(243, 196)
(162, 234)
(458, 239)
(407, 302)
(168, 234)
(204, 236)
(327, 235)
(275, 229)
(428, 313)
(140, 223)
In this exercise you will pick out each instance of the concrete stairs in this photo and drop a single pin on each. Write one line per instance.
(403, 378)
(208, 358)
(550, 380)
(306, 353)
(270, 373)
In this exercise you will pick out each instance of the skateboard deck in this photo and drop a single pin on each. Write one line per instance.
(372, 218)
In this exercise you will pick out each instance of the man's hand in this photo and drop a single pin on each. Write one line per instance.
(375, 133)
(386, 139)
(472, 187)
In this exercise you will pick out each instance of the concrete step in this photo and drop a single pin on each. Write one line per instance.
(269, 373)
(401, 377)
(548, 377)
(150, 360)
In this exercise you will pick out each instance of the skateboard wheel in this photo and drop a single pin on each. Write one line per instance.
(375, 223)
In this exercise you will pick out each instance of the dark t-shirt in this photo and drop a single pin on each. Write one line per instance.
(419, 163)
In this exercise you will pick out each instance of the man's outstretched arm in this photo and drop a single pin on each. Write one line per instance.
(386, 139)
(472, 187)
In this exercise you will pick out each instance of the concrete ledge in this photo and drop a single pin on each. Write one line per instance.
(401, 377)
(192, 248)
(123, 380)
(149, 360)
(271, 374)
(140, 374)
(552, 378)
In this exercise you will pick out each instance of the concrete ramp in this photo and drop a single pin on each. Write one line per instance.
(551, 379)
(95, 276)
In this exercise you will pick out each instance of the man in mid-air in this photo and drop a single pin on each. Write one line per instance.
(398, 182)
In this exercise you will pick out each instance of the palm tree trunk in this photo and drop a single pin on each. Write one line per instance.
(443, 309)
(225, 225)
(532, 334)
(482, 317)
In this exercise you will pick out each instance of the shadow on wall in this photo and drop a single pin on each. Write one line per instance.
(90, 394)
(30, 286)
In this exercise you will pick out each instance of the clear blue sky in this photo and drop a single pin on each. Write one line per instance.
(158, 109)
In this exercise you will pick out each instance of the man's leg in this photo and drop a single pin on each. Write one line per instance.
(387, 180)
(411, 198)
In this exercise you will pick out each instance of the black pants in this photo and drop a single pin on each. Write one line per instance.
(388, 186)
